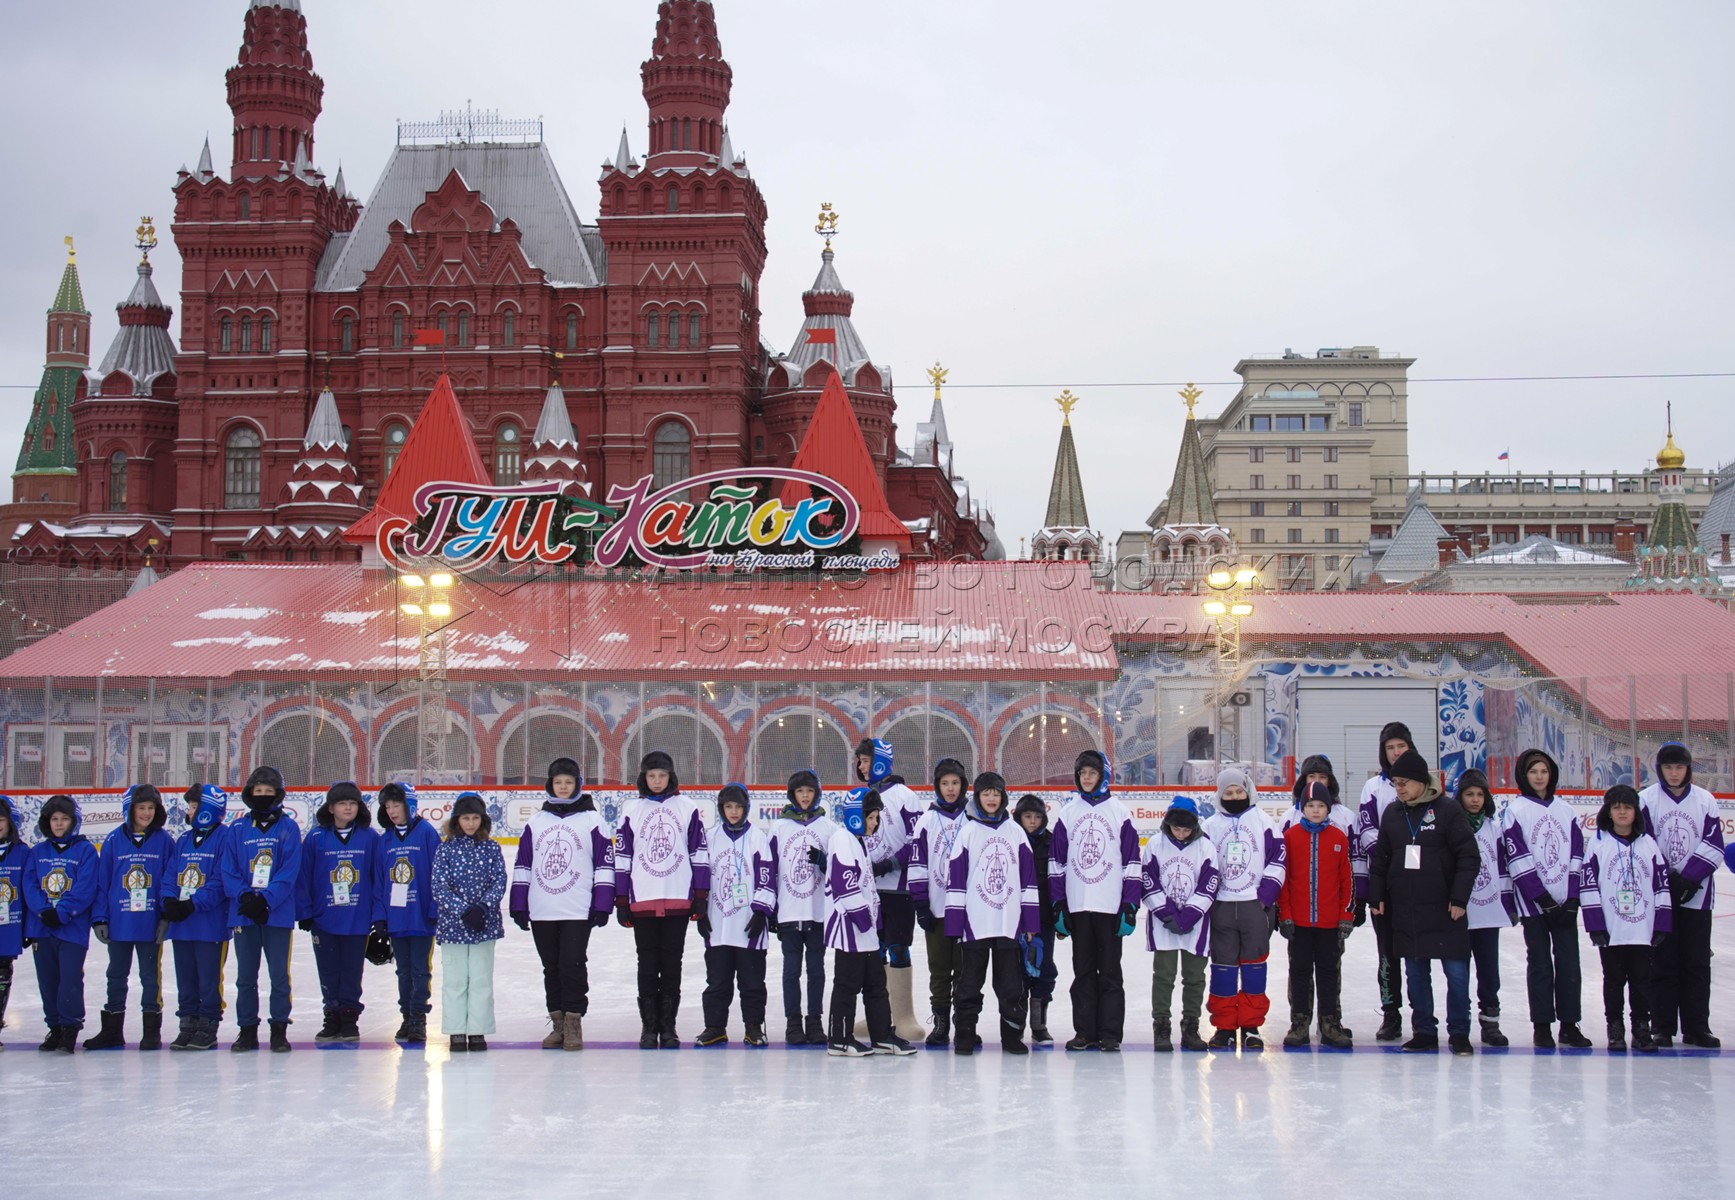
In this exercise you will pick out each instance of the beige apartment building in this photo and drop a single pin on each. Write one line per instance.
(1310, 470)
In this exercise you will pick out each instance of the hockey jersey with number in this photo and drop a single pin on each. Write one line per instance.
(1625, 889)
(1689, 832)
(889, 842)
(991, 885)
(1093, 858)
(930, 853)
(1178, 883)
(743, 882)
(801, 884)
(852, 903)
(1491, 905)
(661, 859)
(565, 867)
(1250, 855)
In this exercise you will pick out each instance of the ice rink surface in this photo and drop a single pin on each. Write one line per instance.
(381, 1121)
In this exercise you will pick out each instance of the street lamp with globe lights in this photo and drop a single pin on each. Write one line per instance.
(430, 603)
(1228, 607)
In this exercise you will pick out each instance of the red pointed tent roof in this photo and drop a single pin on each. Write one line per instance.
(834, 447)
(439, 448)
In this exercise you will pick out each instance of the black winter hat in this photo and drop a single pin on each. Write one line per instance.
(1394, 729)
(470, 802)
(1412, 766)
(59, 804)
(1316, 764)
(1675, 754)
(1319, 791)
(1620, 793)
(736, 793)
(1090, 758)
(804, 778)
(148, 793)
(989, 781)
(269, 777)
(569, 767)
(344, 791)
(1028, 803)
(658, 760)
(950, 766)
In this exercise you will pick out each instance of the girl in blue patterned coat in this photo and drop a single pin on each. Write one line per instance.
(469, 881)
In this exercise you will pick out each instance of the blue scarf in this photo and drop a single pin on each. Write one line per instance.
(1312, 828)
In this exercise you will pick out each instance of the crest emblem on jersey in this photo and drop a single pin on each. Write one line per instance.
(946, 839)
(658, 843)
(346, 874)
(557, 858)
(727, 874)
(1180, 880)
(56, 883)
(263, 859)
(191, 878)
(1549, 847)
(403, 871)
(136, 877)
(8, 893)
(803, 877)
(1677, 836)
(1090, 857)
(996, 882)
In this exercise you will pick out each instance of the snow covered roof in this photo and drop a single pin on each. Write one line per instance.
(1541, 550)
(1415, 548)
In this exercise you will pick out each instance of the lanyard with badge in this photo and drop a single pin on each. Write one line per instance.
(139, 898)
(262, 871)
(5, 902)
(1412, 851)
(1626, 883)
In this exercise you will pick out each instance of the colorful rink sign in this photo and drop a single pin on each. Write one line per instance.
(740, 524)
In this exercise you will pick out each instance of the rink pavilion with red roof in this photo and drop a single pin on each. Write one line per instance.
(1009, 666)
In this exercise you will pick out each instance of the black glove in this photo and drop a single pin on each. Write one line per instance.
(475, 918)
(926, 919)
(1657, 939)
(1361, 913)
(522, 919)
(253, 906)
(1272, 919)
(623, 913)
(886, 867)
(380, 928)
(756, 926)
(177, 909)
(598, 918)
(379, 945)
(1287, 929)
(1547, 903)
(1599, 938)
(29, 942)
(1172, 925)
(1680, 891)
(100, 929)
(816, 856)
(51, 918)
(305, 926)
(1570, 908)
(704, 926)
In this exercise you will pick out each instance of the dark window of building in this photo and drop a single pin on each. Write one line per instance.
(1258, 536)
(1355, 413)
(246, 334)
(225, 340)
(1316, 423)
(1256, 508)
(1295, 537)
(1294, 482)
(265, 335)
(1256, 454)
(463, 329)
(509, 328)
(1331, 535)
(1259, 424)
(572, 331)
(346, 335)
(1330, 481)
(440, 323)
(653, 329)
(1292, 454)
(674, 330)
(693, 330)
(1331, 508)
(1331, 454)
(674, 199)
(1294, 508)
(1255, 483)
(671, 454)
(398, 330)
(246, 206)
(117, 481)
(508, 455)
(241, 468)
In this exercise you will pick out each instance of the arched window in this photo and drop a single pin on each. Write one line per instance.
(674, 198)
(674, 330)
(393, 439)
(75, 339)
(508, 455)
(440, 322)
(653, 329)
(246, 206)
(246, 334)
(572, 331)
(346, 334)
(241, 468)
(397, 331)
(60, 339)
(693, 330)
(509, 328)
(671, 454)
(686, 133)
(463, 329)
(117, 481)
(225, 338)
(307, 748)
(265, 335)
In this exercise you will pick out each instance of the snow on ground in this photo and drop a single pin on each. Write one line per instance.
(783, 1122)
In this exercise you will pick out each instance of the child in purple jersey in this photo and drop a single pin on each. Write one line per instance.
(852, 913)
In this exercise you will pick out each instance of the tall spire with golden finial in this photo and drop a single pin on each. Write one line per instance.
(1066, 507)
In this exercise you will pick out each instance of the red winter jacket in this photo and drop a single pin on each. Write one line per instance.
(1319, 887)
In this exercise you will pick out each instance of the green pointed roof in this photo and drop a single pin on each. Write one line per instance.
(1066, 508)
(70, 297)
(1189, 501)
(1672, 529)
(48, 446)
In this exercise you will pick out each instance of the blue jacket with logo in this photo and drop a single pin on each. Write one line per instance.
(133, 868)
(65, 874)
(272, 842)
(406, 856)
(338, 866)
(195, 873)
(14, 854)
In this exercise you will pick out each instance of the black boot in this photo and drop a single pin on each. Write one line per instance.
(964, 1043)
(794, 1033)
(458, 1044)
(1300, 1029)
(51, 1043)
(647, 1023)
(1542, 1035)
(153, 1035)
(68, 1039)
(1702, 1040)
(246, 1038)
(1491, 1035)
(1190, 1039)
(1160, 1034)
(1572, 1037)
(184, 1039)
(280, 1037)
(349, 1027)
(1617, 1037)
(1039, 1023)
(755, 1037)
(1012, 1038)
(1223, 1039)
(332, 1030)
(1391, 1026)
(942, 1030)
(204, 1034)
(815, 1030)
(667, 1038)
(1643, 1042)
(111, 1035)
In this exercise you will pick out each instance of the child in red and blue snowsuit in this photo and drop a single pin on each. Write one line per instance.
(403, 904)
(60, 886)
(197, 910)
(128, 918)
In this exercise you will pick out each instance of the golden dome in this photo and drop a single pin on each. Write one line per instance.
(1671, 457)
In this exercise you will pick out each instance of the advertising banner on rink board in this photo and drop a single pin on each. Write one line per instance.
(733, 520)
(511, 808)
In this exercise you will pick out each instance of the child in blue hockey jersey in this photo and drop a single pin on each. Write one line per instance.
(60, 886)
(334, 901)
(403, 904)
(13, 853)
(261, 862)
(128, 917)
(197, 910)
(468, 884)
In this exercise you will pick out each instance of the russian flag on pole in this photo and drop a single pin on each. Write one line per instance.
(1504, 456)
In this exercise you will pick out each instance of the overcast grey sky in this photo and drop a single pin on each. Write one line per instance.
(1047, 195)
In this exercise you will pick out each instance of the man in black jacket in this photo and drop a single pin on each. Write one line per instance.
(1421, 874)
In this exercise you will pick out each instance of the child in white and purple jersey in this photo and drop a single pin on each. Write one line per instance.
(852, 909)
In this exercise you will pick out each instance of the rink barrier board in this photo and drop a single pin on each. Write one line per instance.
(511, 808)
